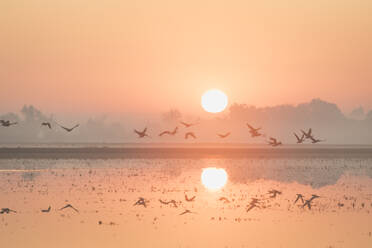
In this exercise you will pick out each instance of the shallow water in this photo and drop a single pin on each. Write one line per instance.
(104, 191)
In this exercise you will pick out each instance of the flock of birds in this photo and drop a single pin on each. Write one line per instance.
(254, 203)
(7, 123)
(254, 132)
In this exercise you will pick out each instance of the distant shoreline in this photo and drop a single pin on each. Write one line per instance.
(196, 152)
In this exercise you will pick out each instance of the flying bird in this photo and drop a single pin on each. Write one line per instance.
(253, 204)
(299, 197)
(69, 206)
(169, 132)
(274, 142)
(190, 134)
(300, 140)
(7, 123)
(169, 202)
(7, 211)
(222, 136)
(274, 193)
(254, 131)
(69, 129)
(314, 141)
(142, 134)
(188, 124)
(307, 134)
(224, 199)
(187, 212)
(190, 199)
(47, 124)
(308, 202)
(46, 210)
(141, 201)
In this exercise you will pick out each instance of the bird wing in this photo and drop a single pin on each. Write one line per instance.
(250, 127)
(165, 132)
(137, 132)
(273, 139)
(298, 139)
(75, 126)
(185, 124)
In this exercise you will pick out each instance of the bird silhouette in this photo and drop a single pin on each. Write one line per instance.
(141, 201)
(7, 123)
(224, 199)
(169, 132)
(274, 142)
(300, 140)
(187, 212)
(69, 206)
(190, 199)
(314, 141)
(46, 210)
(253, 204)
(169, 202)
(307, 134)
(222, 136)
(190, 134)
(308, 202)
(254, 131)
(299, 197)
(47, 124)
(142, 134)
(188, 124)
(7, 211)
(274, 193)
(69, 129)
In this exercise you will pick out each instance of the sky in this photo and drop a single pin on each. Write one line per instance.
(88, 57)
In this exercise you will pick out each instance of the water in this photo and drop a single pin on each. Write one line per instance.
(104, 184)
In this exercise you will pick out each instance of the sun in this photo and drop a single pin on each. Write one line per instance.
(213, 178)
(214, 101)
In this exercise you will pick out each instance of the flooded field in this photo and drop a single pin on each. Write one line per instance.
(278, 201)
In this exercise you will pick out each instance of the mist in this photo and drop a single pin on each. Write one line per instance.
(326, 119)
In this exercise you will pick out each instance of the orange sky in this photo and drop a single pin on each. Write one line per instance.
(148, 56)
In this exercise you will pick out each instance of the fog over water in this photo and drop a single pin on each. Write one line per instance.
(326, 119)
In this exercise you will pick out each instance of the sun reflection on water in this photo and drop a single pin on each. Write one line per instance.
(214, 178)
